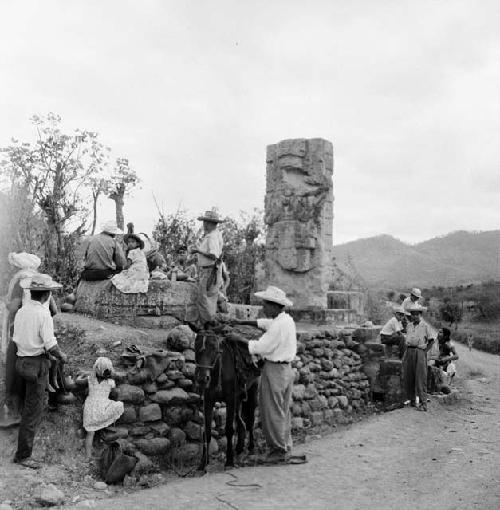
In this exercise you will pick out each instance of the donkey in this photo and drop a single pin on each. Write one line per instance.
(222, 374)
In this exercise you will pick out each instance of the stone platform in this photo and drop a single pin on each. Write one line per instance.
(165, 301)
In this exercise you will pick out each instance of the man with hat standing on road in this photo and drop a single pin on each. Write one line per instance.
(278, 347)
(104, 256)
(209, 253)
(413, 298)
(419, 339)
(34, 336)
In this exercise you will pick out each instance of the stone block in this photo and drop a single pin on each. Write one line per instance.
(181, 338)
(160, 427)
(310, 392)
(326, 365)
(50, 495)
(150, 412)
(172, 415)
(156, 446)
(150, 388)
(186, 454)
(169, 397)
(333, 402)
(144, 464)
(343, 401)
(390, 367)
(316, 417)
(194, 431)
(129, 393)
(139, 431)
(189, 370)
(138, 377)
(185, 384)
(297, 423)
(129, 415)
(177, 436)
(113, 433)
(298, 392)
(189, 355)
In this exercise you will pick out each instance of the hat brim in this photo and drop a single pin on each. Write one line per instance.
(56, 286)
(211, 220)
(273, 299)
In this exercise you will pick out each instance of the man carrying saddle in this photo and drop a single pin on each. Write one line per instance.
(278, 347)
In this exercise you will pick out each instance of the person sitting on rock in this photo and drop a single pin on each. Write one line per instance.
(104, 256)
(135, 278)
(447, 353)
(99, 411)
(184, 266)
(393, 331)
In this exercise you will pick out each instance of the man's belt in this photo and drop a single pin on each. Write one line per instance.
(279, 362)
(415, 347)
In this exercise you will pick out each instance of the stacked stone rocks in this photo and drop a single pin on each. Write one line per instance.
(330, 383)
(163, 414)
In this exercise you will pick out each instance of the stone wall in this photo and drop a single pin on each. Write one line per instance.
(162, 413)
(299, 217)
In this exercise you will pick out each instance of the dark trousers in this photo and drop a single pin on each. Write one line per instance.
(415, 374)
(14, 384)
(34, 371)
(92, 275)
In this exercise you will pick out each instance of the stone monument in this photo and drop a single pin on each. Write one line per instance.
(299, 218)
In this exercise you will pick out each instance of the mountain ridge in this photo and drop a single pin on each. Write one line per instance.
(456, 258)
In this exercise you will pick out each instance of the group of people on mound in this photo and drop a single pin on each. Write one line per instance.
(131, 269)
(29, 343)
(427, 354)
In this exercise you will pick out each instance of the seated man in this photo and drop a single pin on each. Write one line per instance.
(392, 332)
(104, 256)
(447, 353)
(183, 266)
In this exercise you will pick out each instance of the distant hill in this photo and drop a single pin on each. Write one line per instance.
(454, 259)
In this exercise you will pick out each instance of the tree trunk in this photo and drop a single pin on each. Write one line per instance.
(95, 196)
(118, 197)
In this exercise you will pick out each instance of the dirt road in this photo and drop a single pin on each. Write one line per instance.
(448, 458)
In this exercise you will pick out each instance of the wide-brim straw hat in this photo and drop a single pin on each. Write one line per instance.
(137, 237)
(212, 216)
(110, 227)
(24, 260)
(416, 307)
(398, 309)
(275, 295)
(40, 281)
(416, 292)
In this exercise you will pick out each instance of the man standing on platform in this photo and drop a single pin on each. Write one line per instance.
(209, 253)
(412, 299)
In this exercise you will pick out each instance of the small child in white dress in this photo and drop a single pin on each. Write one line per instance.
(135, 278)
(99, 411)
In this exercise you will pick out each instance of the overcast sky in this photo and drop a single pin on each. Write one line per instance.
(193, 91)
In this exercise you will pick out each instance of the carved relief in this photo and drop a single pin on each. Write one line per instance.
(299, 215)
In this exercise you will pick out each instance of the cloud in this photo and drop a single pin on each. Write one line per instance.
(192, 92)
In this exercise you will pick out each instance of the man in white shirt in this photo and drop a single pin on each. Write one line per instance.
(278, 347)
(209, 253)
(412, 299)
(392, 332)
(34, 337)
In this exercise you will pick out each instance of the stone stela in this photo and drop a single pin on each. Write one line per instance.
(299, 217)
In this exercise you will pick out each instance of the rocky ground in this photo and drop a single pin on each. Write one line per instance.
(446, 458)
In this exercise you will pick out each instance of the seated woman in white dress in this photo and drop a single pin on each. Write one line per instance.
(135, 278)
